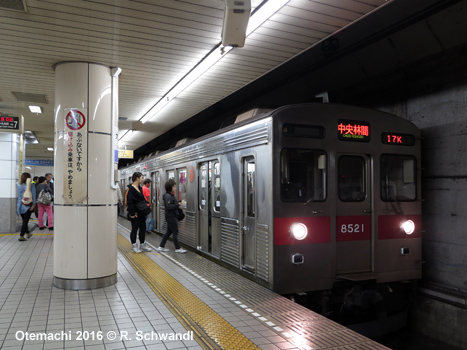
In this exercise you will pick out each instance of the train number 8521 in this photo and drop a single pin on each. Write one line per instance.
(351, 228)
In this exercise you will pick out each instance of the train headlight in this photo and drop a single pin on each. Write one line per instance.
(298, 231)
(408, 226)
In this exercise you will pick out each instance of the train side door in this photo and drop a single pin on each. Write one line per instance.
(204, 239)
(216, 210)
(248, 241)
(353, 214)
(155, 198)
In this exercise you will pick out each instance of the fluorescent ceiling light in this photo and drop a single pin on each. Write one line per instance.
(30, 137)
(263, 13)
(256, 20)
(126, 136)
(194, 74)
(50, 149)
(35, 109)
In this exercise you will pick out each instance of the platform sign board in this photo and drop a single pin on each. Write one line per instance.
(74, 160)
(125, 153)
(39, 162)
(9, 123)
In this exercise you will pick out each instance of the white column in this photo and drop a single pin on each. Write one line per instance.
(85, 211)
(9, 177)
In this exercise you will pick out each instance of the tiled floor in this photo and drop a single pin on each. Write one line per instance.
(30, 303)
(109, 318)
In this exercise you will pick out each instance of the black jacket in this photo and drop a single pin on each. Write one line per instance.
(171, 204)
(132, 197)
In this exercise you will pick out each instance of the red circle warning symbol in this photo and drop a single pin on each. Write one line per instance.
(75, 120)
(191, 174)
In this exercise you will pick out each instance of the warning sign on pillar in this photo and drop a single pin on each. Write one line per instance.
(75, 163)
(75, 119)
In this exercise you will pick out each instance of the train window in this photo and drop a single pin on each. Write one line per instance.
(351, 178)
(303, 175)
(217, 186)
(203, 185)
(398, 180)
(170, 175)
(182, 186)
(250, 188)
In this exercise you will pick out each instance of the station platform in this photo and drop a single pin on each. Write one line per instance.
(160, 301)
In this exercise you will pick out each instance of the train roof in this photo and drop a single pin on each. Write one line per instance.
(268, 114)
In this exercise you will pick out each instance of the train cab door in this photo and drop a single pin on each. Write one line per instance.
(248, 241)
(155, 198)
(353, 215)
(204, 205)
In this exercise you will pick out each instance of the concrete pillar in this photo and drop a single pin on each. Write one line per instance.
(85, 203)
(9, 177)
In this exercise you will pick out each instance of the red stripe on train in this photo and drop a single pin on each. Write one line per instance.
(389, 226)
(319, 230)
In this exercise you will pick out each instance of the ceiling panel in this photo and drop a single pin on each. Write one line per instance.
(155, 42)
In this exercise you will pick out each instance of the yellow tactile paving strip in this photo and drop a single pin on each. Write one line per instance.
(183, 302)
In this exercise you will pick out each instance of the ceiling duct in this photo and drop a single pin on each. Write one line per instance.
(25, 97)
(15, 5)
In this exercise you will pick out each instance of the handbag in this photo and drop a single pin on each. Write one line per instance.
(179, 214)
(143, 207)
(150, 223)
(45, 197)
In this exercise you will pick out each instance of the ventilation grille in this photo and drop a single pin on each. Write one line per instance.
(25, 97)
(15, 5)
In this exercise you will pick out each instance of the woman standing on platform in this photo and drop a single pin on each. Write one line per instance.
(25, 204)
(171, 206)
(133, 195)
(42, 186)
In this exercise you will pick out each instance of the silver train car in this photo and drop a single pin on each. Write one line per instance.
(301, 198)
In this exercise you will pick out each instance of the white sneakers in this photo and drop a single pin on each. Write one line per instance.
(162, 249)
(144, 247)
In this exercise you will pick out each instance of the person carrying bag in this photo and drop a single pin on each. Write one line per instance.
(25, 204)
(44, 202)
(138, 208)
(172, 207)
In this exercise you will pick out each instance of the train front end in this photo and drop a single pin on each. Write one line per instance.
(347, 201)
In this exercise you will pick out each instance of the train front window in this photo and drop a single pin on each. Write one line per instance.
(351, 179)
(398, 180)
(303, 175)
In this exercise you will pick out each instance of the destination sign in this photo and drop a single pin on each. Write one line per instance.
(352, 130)
(11, 123)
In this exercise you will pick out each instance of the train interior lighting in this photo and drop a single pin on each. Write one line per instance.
(408, 226)
(299, 231)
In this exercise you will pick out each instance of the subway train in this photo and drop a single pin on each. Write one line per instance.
(304, 198)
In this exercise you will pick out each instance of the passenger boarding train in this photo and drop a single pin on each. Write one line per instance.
(300, 198)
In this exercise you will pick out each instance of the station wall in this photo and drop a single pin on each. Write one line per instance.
(442, 119)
